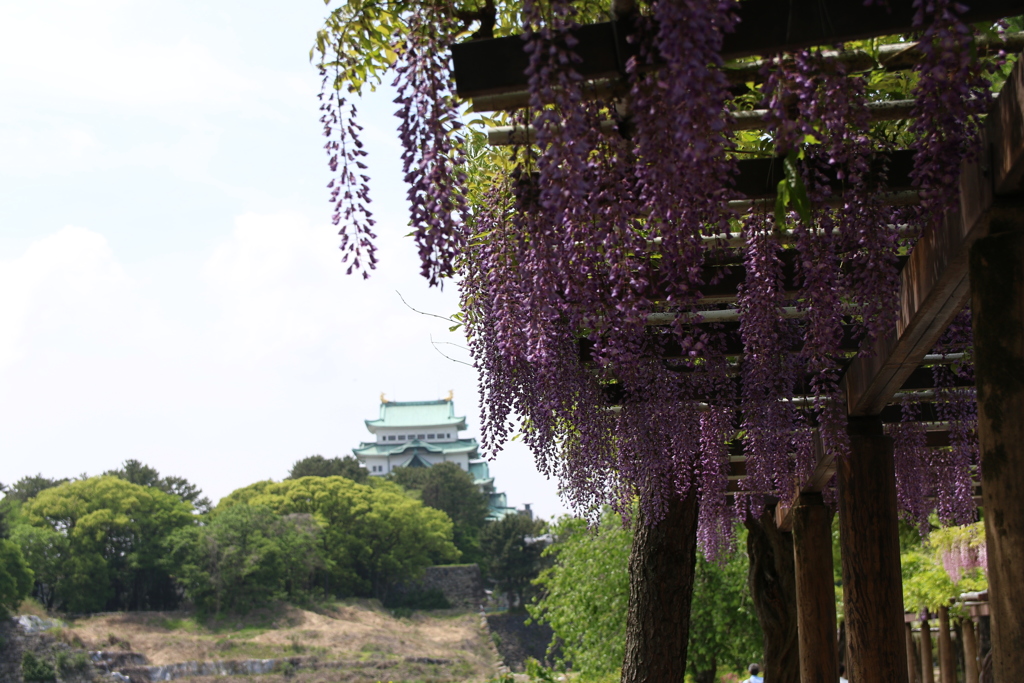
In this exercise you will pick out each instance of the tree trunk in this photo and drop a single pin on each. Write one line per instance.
(997, 291)
(772, 579)
(970, 651)
(661, 567)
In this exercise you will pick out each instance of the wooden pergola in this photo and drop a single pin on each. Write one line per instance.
(976, 254)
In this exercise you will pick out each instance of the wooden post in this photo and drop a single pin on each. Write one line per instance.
(970, 651)
(947, 658)
(872, 582)
(997, 295)
(661, 566)
(927, 665)
(815, 590)
(911, 650)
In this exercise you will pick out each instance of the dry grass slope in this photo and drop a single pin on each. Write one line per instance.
(355, 641)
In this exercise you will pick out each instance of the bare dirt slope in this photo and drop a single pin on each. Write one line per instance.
(440, 645)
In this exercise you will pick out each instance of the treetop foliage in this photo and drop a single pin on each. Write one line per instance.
(96, 543)
(319, 466)
(144, 475)
(30, 487)
(373, 535)
(246, 556)
(449, 488)
(511, 561)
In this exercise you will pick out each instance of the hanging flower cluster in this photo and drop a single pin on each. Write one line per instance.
(951, 96)
(961, 549)
(350, 191)
(941, 479)
(582, 268)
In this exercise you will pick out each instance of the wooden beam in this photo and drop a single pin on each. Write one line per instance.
(498, 65)
(934, 282)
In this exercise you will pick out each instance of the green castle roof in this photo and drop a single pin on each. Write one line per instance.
(446, 447)
(417, 414)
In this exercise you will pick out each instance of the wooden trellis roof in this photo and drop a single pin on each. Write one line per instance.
(934, 283)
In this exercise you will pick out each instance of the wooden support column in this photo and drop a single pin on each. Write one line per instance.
(872, 582)
(927, 665)
(947, 658)
(661, 566)
(997, 292)
(911, 656)
(970, 651)
(815, 590)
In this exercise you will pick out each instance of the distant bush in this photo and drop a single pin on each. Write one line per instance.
(35, 669)
(72, 663)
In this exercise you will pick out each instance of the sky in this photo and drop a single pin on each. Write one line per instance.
(170, 283)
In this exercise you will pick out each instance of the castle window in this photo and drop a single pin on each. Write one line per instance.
(431, 436)
(421, 436)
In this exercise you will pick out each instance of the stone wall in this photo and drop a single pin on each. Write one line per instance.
(15, 640)
(517, 640)
(460, 583)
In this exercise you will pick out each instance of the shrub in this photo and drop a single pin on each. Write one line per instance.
(72, 663)
(35, 669)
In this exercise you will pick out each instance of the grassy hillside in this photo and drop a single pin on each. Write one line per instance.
(354, 641)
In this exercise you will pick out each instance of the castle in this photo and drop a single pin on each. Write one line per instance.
(424, 434)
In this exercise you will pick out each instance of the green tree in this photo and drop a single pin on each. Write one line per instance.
(450, 489)
(245, 557)
(15, 577)
(29, 487)
(144, 475)
(374, 536)
(511, 561)
(319, 466)
(926, 582)
(586, 593)
(724, 631)
(101, 543)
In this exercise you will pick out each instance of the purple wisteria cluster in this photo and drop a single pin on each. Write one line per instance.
(582, 268)
(952, 94)
(941, 479)
(594, 236)
(350, 191)
(963, 556)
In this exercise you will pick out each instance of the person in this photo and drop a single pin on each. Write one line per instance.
(842, 674)
(754, 670)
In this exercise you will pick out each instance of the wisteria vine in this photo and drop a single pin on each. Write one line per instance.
(584, 267)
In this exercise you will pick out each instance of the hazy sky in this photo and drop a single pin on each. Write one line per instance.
(170, 285)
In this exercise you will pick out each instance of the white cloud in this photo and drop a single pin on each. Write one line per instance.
(277, 283)
(68, 283)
